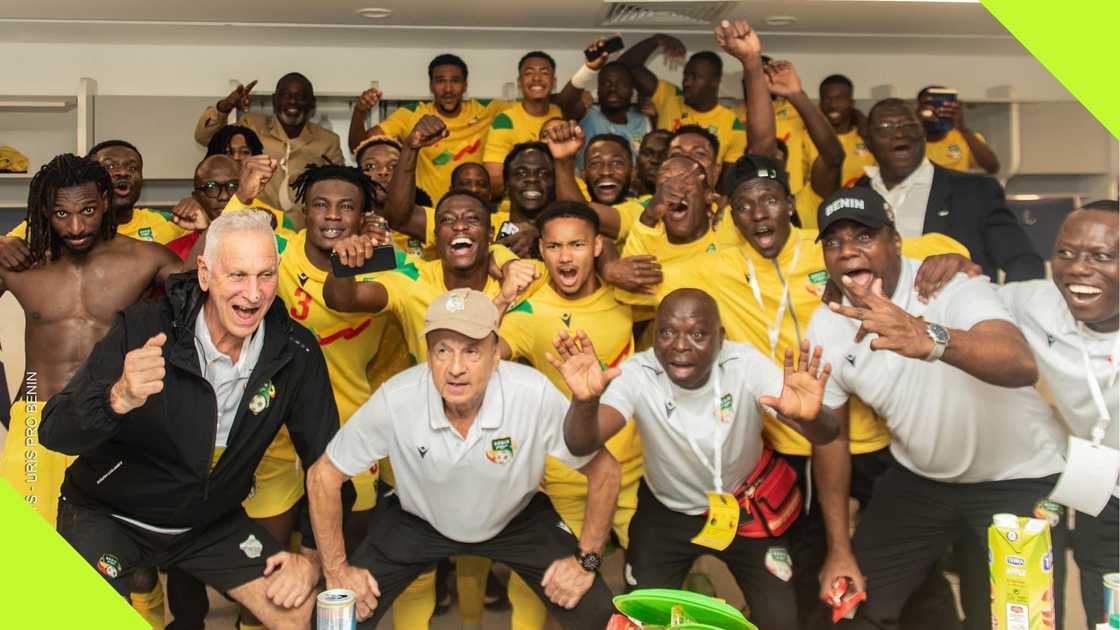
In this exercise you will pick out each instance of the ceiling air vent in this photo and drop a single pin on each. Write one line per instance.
(625, 13)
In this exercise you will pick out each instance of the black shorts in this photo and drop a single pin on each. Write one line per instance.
(1096, 547)
(661, 552)
(226, 554)
(400, 546)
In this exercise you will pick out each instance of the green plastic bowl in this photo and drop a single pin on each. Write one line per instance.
(653, 606)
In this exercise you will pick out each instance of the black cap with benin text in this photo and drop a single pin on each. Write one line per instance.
(862, 205)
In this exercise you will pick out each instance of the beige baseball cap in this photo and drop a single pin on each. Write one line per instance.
(465, 311)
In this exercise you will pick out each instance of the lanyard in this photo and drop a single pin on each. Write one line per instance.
(717, 436)
(774, 329)
(1103, 417)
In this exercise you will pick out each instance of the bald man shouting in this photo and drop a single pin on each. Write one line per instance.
(698, 402)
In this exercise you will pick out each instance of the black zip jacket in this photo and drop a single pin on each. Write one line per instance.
(152, 464)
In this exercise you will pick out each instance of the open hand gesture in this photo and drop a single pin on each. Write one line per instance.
(580, 366)
(897, 330)
(803, 387)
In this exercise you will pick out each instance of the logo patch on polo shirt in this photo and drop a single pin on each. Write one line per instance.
(725, 405)
(501, 450)
(423, 450)
(1049, 340)
(670, 406)
(851, 359)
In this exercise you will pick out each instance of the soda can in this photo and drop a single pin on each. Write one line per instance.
(334, 610)
(1111, 595)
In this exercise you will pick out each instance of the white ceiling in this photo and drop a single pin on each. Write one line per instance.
(821, 25)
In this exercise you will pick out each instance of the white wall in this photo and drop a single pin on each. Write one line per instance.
(49, 69)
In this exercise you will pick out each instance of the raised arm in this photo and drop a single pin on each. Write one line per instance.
(401, 210)
(982, 152)
(636, 56)
(828, 166)
(214, 118)
(564, 142)
(570, 98)
(367, 100)
(739, 40)
(347, 294)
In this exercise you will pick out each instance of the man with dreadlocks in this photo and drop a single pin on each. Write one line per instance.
(126, 170)
(68, 304)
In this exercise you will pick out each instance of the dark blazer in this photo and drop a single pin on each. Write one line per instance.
(972, 209)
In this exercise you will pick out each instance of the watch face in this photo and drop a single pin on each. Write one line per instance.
(590, 561)
(938, 333)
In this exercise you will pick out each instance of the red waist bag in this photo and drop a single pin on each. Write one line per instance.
(770, 497)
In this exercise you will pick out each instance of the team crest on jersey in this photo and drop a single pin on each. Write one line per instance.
(817, 282)
(567, 319)
(714, 130)
(145, 233)
(954, 151)
(263, 398)
(726, 405)
(501, 450)
(861, 148)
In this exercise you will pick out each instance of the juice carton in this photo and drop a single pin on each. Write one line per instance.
(1021, 566)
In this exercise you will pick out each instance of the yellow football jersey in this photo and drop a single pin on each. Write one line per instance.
(465, 141)
(727, 276)
(412, 287)
(529, 329)
(856, 156)
(672, 114)
(512, 127)
(349, 341)
(789, 127)
(952, 151)
(146, 225)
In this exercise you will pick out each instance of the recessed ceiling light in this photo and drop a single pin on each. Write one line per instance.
(375, 13)
(780, 20)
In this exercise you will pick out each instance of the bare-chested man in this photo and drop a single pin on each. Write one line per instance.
(80, 276)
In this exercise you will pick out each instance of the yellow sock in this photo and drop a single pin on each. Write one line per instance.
(413, 608)
(470, 579)
(150, 605)
(241, 625)
(529, 612)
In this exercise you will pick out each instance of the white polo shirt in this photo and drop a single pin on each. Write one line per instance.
(946, 425)
(470, 488)
(1052, 332)
(665, 414)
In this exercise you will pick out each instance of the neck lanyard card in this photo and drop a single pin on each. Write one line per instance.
(1092, 468)
(723, 508)
(773, 329)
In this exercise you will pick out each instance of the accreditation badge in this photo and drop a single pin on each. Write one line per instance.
(722, 524)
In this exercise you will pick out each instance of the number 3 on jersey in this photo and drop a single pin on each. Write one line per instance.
(302, 306)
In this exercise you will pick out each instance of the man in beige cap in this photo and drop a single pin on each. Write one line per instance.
(468, 472)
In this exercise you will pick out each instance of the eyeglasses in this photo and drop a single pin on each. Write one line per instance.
(888, 129)
(214, 189)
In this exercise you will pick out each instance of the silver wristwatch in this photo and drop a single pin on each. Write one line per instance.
(940, 336)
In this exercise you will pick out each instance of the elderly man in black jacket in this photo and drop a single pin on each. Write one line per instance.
(928, 198)
(170, 415)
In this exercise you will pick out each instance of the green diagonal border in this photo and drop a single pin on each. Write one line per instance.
(44, 583)
(1075, 42)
